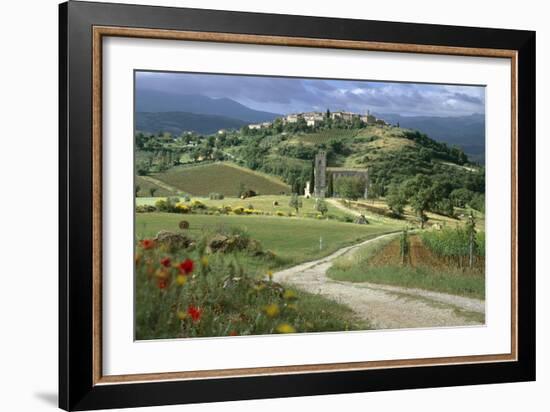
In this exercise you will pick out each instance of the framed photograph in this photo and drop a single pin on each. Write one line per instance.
(256, 206)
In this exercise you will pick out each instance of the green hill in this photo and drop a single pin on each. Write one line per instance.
(225, 178)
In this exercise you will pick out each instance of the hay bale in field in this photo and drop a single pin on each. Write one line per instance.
(361, 220)
(183, 225)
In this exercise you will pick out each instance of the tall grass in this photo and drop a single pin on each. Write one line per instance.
(453, 245)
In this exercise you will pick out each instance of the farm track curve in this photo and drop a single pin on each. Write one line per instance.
(384, 306)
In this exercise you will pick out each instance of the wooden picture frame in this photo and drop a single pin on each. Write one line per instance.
(82, 385)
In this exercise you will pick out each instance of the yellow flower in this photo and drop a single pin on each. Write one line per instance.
(285, 328)
(270, 274)
(181, 280)
(182, 315)
(272, 310)
(204, 261)
(290, 295)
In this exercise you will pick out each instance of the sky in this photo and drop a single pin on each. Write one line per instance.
(291, 95)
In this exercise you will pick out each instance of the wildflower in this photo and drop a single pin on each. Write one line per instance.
(290, 295)
(162, 283)
(161, 273)
(272, 310)
(186, 267)
(270, 274)
(285, 328)
(165, 262)
(194, 312)
(233, 333)
(182, 315)
(204, 262)
(181, 280)
(147, 244)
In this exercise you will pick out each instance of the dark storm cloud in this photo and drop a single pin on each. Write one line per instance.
(287, 95)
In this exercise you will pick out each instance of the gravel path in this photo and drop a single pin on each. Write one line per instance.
(383, 306)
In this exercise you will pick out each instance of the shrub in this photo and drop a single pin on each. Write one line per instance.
(238, 210)
(161, 205)
(197, 204)
(216, 196)
(145, 209)
(182, 208)
(248, 211)
(279, 213)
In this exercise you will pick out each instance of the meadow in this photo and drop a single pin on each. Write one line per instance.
(181, 294)
(226, 178)
(292, 240)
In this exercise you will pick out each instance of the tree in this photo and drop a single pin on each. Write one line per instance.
(136, 190)
(396, 200)
(152, 191)
(376, 190)
(350, 187)
(321, 206)
(478, 202)
(419, 191)
(421, 202)
(461, 197)
(295, 202)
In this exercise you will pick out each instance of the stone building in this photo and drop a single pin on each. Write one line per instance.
(323, 174)
(320, 174)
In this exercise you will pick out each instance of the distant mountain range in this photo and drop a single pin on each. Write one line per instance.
(466, 132)
(178, 122)
(158, 101)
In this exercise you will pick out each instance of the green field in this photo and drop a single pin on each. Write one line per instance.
(146, 186)
(264, 204)
(324, 136)
(293, 240)
(226, 178)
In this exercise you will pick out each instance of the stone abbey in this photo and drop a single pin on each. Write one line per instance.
(324, 175)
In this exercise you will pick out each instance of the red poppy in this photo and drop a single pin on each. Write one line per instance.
(186, 266)
(165, 262)
(147, 243)
(194, 312)
(162, 283)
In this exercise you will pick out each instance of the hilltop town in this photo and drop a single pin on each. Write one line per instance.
(313, 119)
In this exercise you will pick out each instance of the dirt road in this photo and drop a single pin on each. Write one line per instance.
(384, 307)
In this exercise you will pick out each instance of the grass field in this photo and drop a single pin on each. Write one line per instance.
(262, 203)
(380, 207)
(324, 136)
(293, 240)
(379, 262)
(223, 178)
(145, 187)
